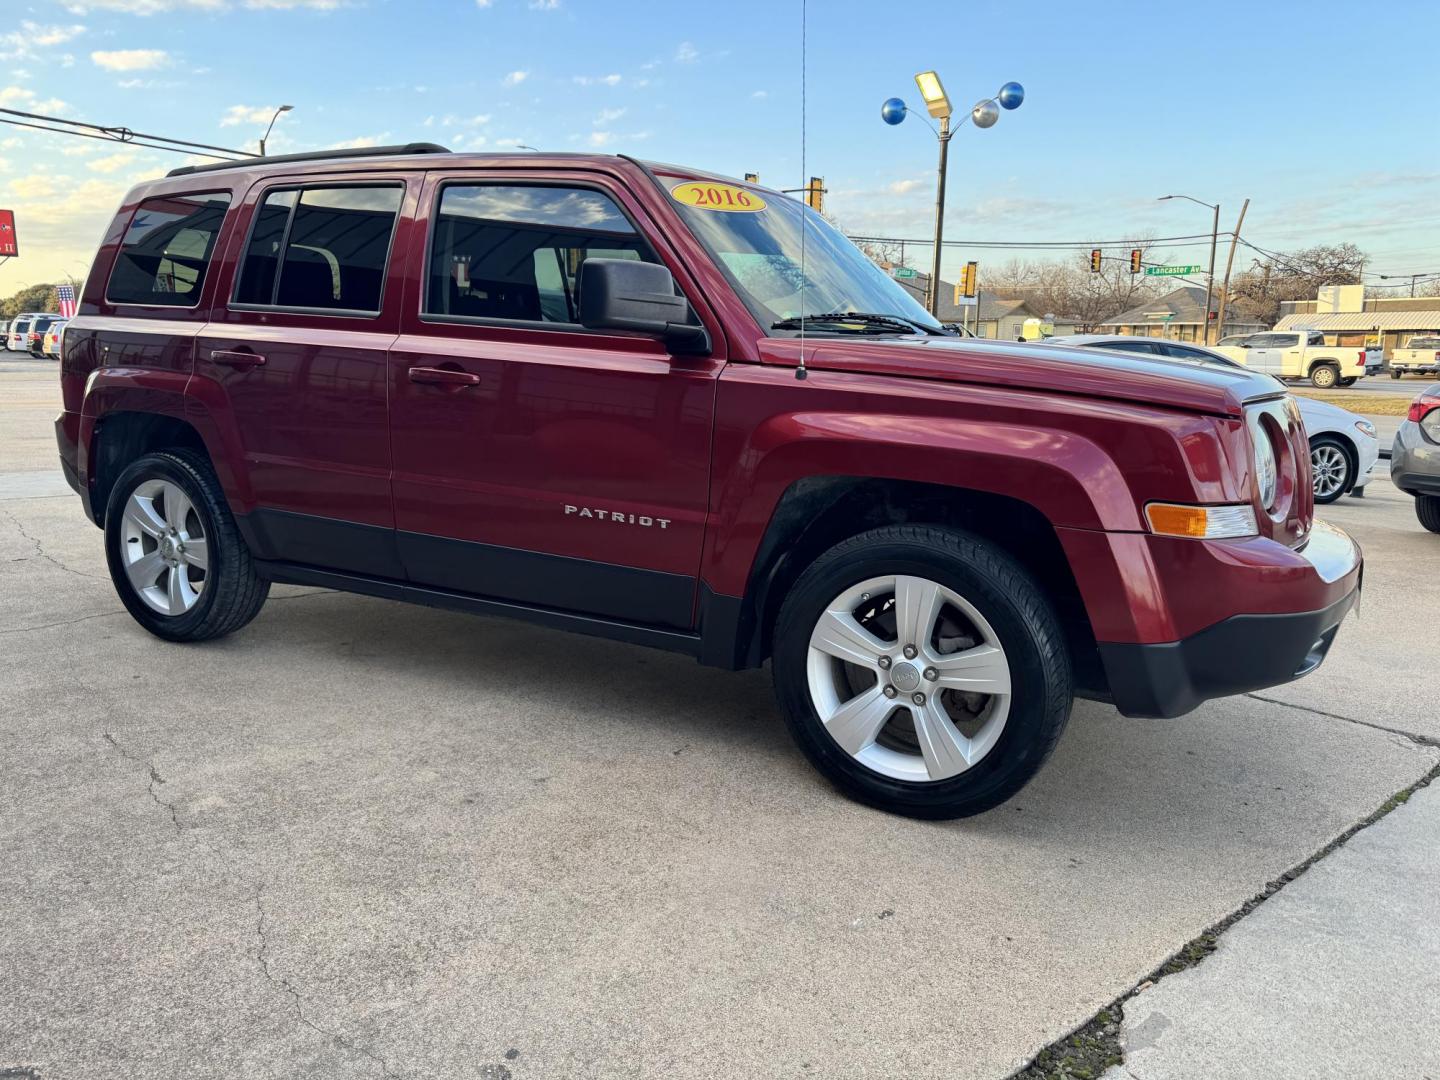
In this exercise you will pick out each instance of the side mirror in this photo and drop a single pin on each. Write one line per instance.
(627, 294)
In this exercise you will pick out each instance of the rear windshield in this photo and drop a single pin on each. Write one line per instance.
(1424, 343)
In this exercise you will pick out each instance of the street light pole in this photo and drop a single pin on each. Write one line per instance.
(281, 109)
(932, 300)
(1210, 280)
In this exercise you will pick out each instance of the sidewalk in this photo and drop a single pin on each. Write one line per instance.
(1336, 975)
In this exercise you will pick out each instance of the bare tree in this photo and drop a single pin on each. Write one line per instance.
(1297, 275)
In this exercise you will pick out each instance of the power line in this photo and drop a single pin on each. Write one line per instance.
(1159, 241)
(118, 134)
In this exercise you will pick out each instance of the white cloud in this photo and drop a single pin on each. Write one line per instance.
(544, 5)
(460, 121)
(760, 94)
(34, 186)
(686, 53)
(130, 59)
(608, 116)
(112, 162)
(13, 97)
(21, 44)
(247, 114)
(600, 139)
(483, 3)
(598, 80)
(904, 187)
(160, 7)
(84, 149)
(362, 141)
(509, 143)
(515, 78)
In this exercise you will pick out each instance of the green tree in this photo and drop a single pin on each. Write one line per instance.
(30, 298)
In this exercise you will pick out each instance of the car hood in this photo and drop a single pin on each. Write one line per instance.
(1323, 416)
(1210, 388)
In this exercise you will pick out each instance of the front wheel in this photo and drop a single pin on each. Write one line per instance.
(176, 557)
(1427, 509)
(1331, 471)
(1394, 374)
(1324, 376)
(922, 670)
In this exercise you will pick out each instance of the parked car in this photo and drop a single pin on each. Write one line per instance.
(17, 338)
(1420, 356)
(338, 370)
(1343, 445)
(1415, 457)
(1303, 354)
(35, 334)
(52, 338)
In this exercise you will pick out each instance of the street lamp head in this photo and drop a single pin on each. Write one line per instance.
(985, 113)
(1010, 95)
(934, 94)
(286, 108)
(893, 110)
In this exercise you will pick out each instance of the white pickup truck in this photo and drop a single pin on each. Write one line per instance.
(1421, 355)
(1303, 354)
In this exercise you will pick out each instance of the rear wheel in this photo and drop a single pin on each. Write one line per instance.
(1427, 509)
(1332, 471)
(922, 671)
(1349, 380)
(1324, 376)
(1394, 374)
(175, 555)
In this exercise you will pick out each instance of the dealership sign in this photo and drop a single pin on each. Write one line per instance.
(8, 244)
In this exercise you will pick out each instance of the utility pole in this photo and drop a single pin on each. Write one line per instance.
(1402, 277)
(1210, 278)
(1229, 262)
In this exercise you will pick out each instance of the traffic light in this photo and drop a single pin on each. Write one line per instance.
(1094, 260)
(968, 279)
(752, 178)
(1134, 260)
(815, 194)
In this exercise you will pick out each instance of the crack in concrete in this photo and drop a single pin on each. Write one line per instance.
(155, 778)
(42, 553)
(1096, 1045)
(62, 622)
(284, 984)
(1421, 740)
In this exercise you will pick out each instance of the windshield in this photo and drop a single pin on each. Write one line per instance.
(1424, 343)
(759, 251)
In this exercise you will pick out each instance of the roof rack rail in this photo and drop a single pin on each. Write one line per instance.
(316, 155)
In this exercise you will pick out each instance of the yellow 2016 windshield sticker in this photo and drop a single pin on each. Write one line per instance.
(704, 195)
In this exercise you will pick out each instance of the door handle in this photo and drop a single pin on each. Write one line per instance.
(444, 376)
(235, 358)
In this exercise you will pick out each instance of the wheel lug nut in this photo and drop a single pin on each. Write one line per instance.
(884, 663)
(930, 673)
(889, 691)
(910, 652)
(919, 699)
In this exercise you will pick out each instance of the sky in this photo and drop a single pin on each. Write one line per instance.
(1323, 114)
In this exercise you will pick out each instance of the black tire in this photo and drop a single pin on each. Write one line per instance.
(1394, 374)
(233, 592)
(1024, 621)
(1346, 452)
(1349, 380)
(1427, 509)
(1324, 376)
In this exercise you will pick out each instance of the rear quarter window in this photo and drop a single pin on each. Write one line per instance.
(167, 250)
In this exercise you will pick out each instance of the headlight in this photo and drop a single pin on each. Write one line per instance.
(1365, 428)
(1267, 469)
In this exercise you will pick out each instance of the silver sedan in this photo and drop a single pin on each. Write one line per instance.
(1415, 457)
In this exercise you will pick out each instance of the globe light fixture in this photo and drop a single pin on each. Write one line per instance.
(985, 113)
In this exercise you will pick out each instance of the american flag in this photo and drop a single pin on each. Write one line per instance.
(66, 295)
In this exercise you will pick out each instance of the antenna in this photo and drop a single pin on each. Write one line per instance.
(800, 372)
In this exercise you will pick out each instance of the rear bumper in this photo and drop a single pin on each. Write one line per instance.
(1243, 652)
(67, 436)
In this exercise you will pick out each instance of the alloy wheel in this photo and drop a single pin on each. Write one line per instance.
(909, 678)
(163, 547)
(1329, 467)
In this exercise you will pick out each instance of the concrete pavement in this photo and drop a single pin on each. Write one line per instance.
(364, 839)
(1336, 976)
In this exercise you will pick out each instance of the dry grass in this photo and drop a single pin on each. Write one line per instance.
(1359, 401)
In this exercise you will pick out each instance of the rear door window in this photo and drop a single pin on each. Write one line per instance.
(167, 250)
(514, 252)
(320, 248)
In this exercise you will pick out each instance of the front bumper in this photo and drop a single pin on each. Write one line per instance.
(1240, 653)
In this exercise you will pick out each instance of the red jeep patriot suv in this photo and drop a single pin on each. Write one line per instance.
(578, 390)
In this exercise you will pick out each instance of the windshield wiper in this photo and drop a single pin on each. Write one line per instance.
(866, 318)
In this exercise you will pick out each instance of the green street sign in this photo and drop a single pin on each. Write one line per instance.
(904, 272)
(1170, 271)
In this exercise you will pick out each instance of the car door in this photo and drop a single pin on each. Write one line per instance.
(537, 461)
(1266, 352)
(297, 357)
